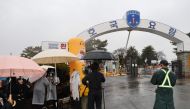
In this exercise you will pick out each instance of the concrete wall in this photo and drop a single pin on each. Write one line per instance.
(185, 58)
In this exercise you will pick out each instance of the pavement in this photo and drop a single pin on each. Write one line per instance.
(123, 92)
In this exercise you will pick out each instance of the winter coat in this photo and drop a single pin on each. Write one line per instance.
(39, 93)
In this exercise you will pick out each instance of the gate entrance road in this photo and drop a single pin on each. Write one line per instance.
(138, 93)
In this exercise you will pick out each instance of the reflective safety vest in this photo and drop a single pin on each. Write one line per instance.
(166, 79)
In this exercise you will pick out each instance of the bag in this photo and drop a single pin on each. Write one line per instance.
(84, 91)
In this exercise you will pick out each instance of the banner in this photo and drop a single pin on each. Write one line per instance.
(54, 45)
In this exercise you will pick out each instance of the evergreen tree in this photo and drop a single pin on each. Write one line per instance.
(119, 54)
(96, 44)
(31, 51)
(148, 54)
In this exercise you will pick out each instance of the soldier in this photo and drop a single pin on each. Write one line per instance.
(165, 80)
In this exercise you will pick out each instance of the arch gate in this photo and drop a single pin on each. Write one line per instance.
(181, 39)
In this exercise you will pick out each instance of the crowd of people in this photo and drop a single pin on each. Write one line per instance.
(19, 93)
(16, 96)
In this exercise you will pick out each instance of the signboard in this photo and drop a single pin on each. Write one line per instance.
(54, 45)
(133, 18)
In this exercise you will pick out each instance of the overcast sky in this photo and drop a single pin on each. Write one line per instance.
(26, 23)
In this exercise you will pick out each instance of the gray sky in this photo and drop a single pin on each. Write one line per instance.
(28, 22)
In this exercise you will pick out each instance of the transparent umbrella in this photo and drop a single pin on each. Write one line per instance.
(54, 56)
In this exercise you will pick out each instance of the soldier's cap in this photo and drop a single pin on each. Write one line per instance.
(164, 62)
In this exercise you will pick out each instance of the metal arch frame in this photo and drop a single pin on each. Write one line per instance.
(181, 39)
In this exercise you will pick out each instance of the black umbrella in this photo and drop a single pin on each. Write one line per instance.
(98, 55)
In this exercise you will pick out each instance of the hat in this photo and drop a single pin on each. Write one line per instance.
(164, 62)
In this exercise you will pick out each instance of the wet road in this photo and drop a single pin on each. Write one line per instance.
(137, 93)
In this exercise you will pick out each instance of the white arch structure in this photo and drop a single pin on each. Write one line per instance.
(181, 39)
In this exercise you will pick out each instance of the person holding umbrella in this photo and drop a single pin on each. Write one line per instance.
(94, 81)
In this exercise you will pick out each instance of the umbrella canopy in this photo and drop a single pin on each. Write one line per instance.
(15, 66)
(54, 56)
(98, 55)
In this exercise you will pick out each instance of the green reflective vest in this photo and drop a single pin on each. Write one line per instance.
(165, 80)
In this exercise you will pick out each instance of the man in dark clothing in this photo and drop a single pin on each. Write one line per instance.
(165, 80)
(21, 93)
(4, 104)
(93, 80)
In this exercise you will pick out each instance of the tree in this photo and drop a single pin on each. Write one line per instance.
(133, 57)
(132, 53)
(119, 54)
(148, 54)
(161, 55)
(96, 44)
(31, 51)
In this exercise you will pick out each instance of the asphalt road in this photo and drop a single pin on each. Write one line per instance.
(123, 92)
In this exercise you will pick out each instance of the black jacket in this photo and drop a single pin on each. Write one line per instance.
(93, 81)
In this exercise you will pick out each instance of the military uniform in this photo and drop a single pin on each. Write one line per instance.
(165, 80)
